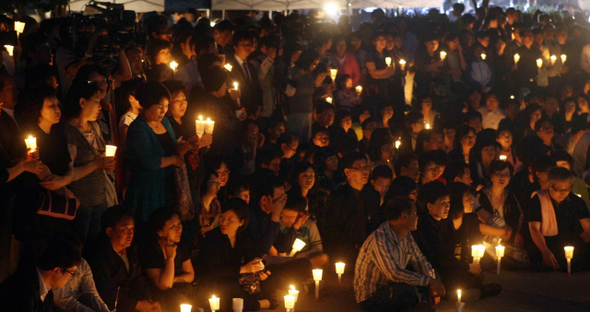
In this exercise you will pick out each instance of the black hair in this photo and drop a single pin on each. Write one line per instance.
(561, 155)
(38, 75)
(349, 160)
(425, 159)
(307, 58)
(412, 118)
(404, 161)
(297, 203)
(115, 214)
(400, 186)
(461, 132)
(382, 171)
(159, 217)
(201, 44)
(234, 186)
(154, 47)
(216, 77)
(30, 104)
(127, 89)
(223, 25)
(299, 168)
(240, 208)
(320, 157)
(266, 155)
(379, 138)
(173, 86)
(542, 163)
(457, 190)
(367, 121)
(499, 165)
(287, 138)
(264, 187)
(455, 169)
(398, 205)
(430, 193)
(242, 36)
(59, 253)
(323, 106)
(82, 89)
(151, 93)
(559, 174)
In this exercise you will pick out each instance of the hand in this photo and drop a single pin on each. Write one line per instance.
(244, 114)
(440, 63)
(278, 204)
(263, 275)
(437, 287)
(53, 182)
(106, 163)
(518, 240)
(206, 140)
(253, 266)
(565, 70)
(33, 155)
(549, 259)
(234, 94)
(301, 218)
(515, 67)
(170, 250)
(508, 233)
(148, 306)
(33, 166)
(193, 139)
(475, 269)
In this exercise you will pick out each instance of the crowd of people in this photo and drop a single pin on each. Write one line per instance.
(393, 147)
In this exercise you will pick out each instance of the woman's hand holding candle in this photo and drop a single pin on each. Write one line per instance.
(106, 163)
(253, 266)
(206, 140)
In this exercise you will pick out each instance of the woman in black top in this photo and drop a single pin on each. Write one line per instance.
(227, 257)
(379, 72)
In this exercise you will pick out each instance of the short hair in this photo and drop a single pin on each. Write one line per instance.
(127, 89)
(543, 163)
(454, 169)
(382, 171)
(205, 63)
(323, 106)
(319, 130)
(242, 36)
(349, 160)
(154, 47)
(457, 190)
(299, 168)
(563, 156)
(379, 138)
(59, 253)
(396, 206)
(37, 75)
(470, 115)
(159, 217)
(500, 165)
(151, 93)
(559, 174)
(297, 203)
(174, 86)
(30, 104)
(287, 138)
(321, 155)
(234, 186)
(307, 58)
(201, 43)
(216, 77)
(266, 155)
(482, 34)
(240, 208)
(367, 121)
(413, 117)
(404, 161)
(461, 132)
(431, 192)
(115, 214)
(224, 25)
(265, 187)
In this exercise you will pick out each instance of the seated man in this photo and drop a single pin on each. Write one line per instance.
(381, 280)
(114, 264)
(559, 218)
(381, 178)
(30, 288)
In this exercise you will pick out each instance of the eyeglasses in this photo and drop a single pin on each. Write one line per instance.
(69, 272)
(363, 168)
(563, 191)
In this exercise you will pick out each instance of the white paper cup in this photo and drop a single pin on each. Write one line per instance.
(237, 304)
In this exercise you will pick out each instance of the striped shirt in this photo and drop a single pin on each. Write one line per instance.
(383, 259)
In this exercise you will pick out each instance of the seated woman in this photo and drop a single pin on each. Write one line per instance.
(227, 260)
(381, 148)
(210, 207)
(483, 153)
(167, 265)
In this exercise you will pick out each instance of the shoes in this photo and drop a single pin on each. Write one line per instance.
(490, 290)
(471, 295)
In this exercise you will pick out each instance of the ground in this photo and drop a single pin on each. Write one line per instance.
(522, 291)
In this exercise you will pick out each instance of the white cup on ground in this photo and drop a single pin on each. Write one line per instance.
(237, 304)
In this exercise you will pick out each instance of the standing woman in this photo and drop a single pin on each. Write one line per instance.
(345, 61)
(301, 101)
(151, 145)
(379, 72)
(87, 146)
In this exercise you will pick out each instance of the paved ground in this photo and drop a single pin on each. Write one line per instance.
(522, 291)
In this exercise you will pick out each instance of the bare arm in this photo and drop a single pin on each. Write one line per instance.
(163, 278)
(586, 226)
(379, 73)
(188, 274)
(538, 238)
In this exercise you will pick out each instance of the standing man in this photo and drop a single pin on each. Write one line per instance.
(244, 73)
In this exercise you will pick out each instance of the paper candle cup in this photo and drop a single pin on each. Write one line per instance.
(359, 89)
(186, 308)
(10, 49)
(297, 247)
(209, 126)
(503, 157)
(200, 126)
(237, 304)
(539, 63)
(293, 292)
(340, 267)
(228, 67)
(19, 27)
(110, 151)
(443, 55)
(563, 58)
(553, 59)
(516, 58)
(333, 74)
(483, 56)
(459, 295)
(214, 303)
(173, 65)
(289, 302)
(388, 61)
(329, 100)
(31, 143)
(402, 63)
(569, 252)
(397, 144)
(317, 274)
(236, 85)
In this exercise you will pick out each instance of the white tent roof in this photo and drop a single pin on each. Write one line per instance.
(139, 6)
(393, 4)
(279, 5)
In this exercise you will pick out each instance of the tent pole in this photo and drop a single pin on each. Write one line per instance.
(222, 14)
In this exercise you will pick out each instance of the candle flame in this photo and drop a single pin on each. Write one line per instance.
(208, 119)
(292, 287)
(213, 297)
(200, 117)
(173, 65)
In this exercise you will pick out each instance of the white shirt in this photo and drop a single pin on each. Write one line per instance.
(241, 62)
(43, 291)
(491, 120)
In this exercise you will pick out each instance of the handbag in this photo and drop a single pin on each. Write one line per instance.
(250, 283)
(184, 200)
(56, 205)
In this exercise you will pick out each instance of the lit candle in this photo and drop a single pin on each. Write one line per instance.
(579, 195)
(209, 125)
(483, 56)
(228, 67)
(499, 254)
(569, 255)
(477, 252)
(503, 157)
(10, 49)
(553, 59)
(289, 302)
(427, 126)
(333, 74)
(186, 308)
(329, 100)
(459, 295)
(388, 61)
(539, 63)
(359, 90)
(236, 85)
(297, 247)
(513, 36)
(31, 143)
(294, 292)
(340, 270)
(110, 151)
(19, 27)
(402, 64)
(173, 65)
(512, 97)
(516, 58)
(200, 126)
(443, 55)
(214, 303)
(317, 277)
(563, 58)
(397, 144)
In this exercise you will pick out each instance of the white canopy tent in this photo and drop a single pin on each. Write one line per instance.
(139, 6)
(279, 5)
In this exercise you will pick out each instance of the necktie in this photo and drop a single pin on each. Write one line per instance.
(246, 72)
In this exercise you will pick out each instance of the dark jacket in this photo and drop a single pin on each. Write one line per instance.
(513, 214)
(436, 241)
(250, 91)
(21, 293)
(262, 230)
(219, 260)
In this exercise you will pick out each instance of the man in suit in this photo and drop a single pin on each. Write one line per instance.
(245, 74)
(222, 33)
(30, 288)
(350, 210)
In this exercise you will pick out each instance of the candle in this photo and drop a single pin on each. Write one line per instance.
(237, 304)
(427, 126)
(513, 36)
(340, 270)
(31, 143)
(477, 252)
(402, 63)
(553, 59)
(333, 73)
(209, 125)
(236, 85)
(297, 247)
(539, 63)
(228, 67)
(512, 97)
(214, 303)
(516, 58)
(579, 195)
(317, 277)
(359, 90)
(397, 144)
(503, 157)
(289, 302)
(569, 255)
(499, 254)
(19, 27)
(110, 151)
(10, 49)
(459, 295)
(563, 58)
(483, 56)
(329, 100)
(294, 292)
(186, 308)
(388, 61)
(443, 55)
(173, 65)
(200, 126)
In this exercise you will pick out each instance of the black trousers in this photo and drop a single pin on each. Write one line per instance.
(395, 297)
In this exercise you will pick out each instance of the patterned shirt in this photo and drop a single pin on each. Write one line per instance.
(81, 283)
(383, 259)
